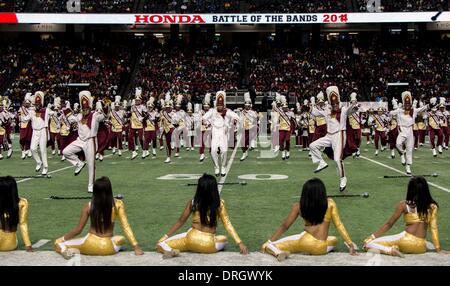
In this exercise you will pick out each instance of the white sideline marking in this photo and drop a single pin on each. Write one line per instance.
(403, 173)
(230, 162)
(40, 243)
(59, 170)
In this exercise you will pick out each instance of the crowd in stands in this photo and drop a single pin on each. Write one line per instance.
(87, 6)
(225, 6)
(12, 5)
(192, 6)
(405, 5)
(188, 72)
(303, 72)
(51, 66)
(366, 70)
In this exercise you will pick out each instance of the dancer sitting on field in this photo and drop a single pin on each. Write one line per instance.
(419, 211)
(206, 208)
(317, 211)
(102, 210)
(13, 213)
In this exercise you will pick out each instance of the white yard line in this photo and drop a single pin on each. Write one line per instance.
(40, 243)
(59, 170)
(403, 173)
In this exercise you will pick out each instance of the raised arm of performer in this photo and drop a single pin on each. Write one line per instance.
(419, 211)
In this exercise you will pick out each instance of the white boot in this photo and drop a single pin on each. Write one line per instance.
(408, 169)
(144, 154)
(403, 159)
(283, 155)
(119, 153)
(167, 160)
(136, 148)
(322, 165)
(10, 151)
(100, 157)
(90, 189)
(162, 147)
(1, 156)
(376, 152)
(202, 157)
(44, 171)
(392, 153)
(434, 153)
(244, 156)
(217, 171)
(223, 171)
(358, 153)
(24, 155)
(79, 167)
(382, 148)
(343, 184)
(153, 152)
(38, 167)
(29, 154)
(96, 156)
(63, 158)
(53, 152)
(134, 155)
(287, 155)
(439, 149)
(177, 155)
(114, 150)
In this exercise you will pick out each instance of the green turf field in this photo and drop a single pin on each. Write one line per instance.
(256, 209)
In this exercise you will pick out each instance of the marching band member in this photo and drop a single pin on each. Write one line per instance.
(181, 131)
(4, 118)
(419, 211)
(39, 117)
(444, 114)
(103, 135)
(419, 128)
(69, 128)
(103, 210)
(250, 119)
(354, 128)
(205, 127)
(221, 120)
(169, 121)
(117, 119)
(379, 121)
(206, 208)
(54, 127)
(150, 127)
(274, 131)
(25, 127)
(304, 123)
(406, 116)
(13, 214)
(434, 121)
(8, 126)
(320, 129)
(285, 122)
(88, 123)
(336, 136)
(393, 132)
(317, 212)
(138, 112)
(190, 125)
(311, 124)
